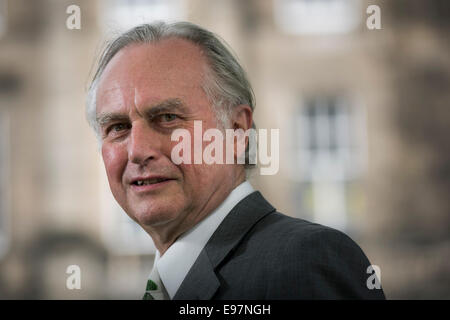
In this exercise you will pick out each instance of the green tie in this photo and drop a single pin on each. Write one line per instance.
(151, 286)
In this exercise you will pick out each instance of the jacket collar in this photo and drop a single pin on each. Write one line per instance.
(201, 282)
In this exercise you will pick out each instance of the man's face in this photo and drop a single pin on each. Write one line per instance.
(146, 92)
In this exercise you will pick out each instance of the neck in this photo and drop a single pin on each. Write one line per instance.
(165, 235)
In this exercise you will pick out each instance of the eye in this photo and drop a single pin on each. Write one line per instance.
(118, 127)
(168, 117)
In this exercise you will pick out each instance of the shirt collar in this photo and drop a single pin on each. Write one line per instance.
(178, 259)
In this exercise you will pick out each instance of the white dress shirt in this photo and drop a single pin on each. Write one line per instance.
(178, 259)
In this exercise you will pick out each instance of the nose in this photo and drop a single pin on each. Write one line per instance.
(144, 144)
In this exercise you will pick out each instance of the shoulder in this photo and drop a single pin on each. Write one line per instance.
(288, 236)
(324, 262)
(296, 231)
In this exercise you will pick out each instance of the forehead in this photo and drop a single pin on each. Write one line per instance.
(149, 73)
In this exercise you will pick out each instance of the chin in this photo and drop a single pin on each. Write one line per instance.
(156, 217)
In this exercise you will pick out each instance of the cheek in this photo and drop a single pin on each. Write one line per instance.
(201, 177)
(115, 160)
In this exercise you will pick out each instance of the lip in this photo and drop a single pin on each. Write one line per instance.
(149, 187)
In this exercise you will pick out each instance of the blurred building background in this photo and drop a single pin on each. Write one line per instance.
(364, 123)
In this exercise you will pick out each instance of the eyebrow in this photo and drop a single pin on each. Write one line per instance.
(169, 105)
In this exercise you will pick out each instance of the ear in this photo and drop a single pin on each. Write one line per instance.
(242, 118)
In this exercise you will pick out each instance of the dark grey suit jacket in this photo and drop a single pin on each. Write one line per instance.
(258, 253)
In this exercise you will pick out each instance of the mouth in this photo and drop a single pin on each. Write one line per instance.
(149, 184)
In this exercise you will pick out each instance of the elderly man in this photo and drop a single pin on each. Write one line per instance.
(216, 237)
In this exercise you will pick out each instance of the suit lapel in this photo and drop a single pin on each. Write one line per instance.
(201, 282)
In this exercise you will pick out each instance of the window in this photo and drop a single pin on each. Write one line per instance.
(3, 17)
(330, 157)
(317, 16)
(125, 14)
(329, 144)
(4, 184)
